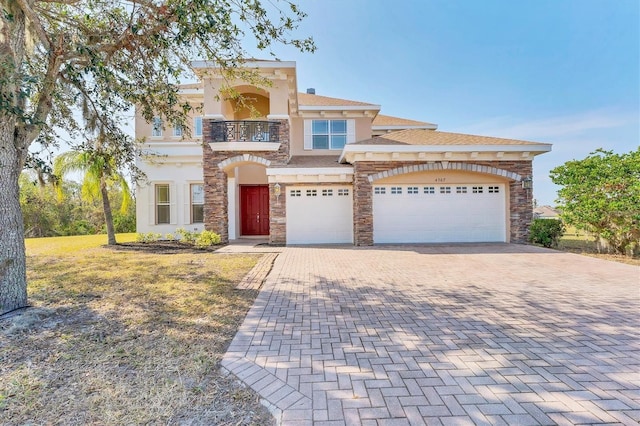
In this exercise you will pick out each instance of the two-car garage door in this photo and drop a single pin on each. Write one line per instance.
(417, 213)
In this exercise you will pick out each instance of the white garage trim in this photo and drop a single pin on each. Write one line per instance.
(319, 214)
(439, 213)
(428, 167)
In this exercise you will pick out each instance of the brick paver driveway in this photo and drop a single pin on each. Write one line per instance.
(469, 334)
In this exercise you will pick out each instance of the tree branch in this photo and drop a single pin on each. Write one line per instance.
(34, 20)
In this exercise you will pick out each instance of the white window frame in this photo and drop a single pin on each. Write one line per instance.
(192, 203)
(197, 126)
(156, 127)
(308, 134)
(177, 130)
(164, 203)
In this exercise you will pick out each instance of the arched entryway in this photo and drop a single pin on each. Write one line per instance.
(248, 196)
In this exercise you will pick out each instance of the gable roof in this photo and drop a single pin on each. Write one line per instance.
(435, 137)
(307, 99)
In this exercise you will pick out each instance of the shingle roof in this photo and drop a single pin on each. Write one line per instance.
(545, 211)
(435, 137)
(387, 120)
(306, 99)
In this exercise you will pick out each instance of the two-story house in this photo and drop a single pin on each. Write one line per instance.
(313, 169)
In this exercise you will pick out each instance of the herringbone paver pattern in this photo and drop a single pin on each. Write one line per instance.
(451, 335)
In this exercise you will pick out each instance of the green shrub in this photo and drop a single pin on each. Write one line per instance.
(187, 236)
(149, 237)
(207, 239)
(546, 232)
(124, 222)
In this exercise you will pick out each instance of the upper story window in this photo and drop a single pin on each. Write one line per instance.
(197, 126)
(177, 129)
(156, 129)
(328, 134)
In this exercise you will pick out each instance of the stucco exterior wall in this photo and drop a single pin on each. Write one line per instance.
(179, 178)
(143, 129)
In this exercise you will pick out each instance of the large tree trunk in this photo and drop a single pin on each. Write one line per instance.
(13, 150)
(13, 268)
(108, 217)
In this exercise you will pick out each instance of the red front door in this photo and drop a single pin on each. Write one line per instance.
(254, 210)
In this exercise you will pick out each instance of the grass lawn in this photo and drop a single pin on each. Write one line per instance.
(125, 337)
(584, 244)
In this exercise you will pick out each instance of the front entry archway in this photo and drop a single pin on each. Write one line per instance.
(254, 210)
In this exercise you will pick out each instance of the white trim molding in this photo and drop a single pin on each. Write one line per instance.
(310, 175)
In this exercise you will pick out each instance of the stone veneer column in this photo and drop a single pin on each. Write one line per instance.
(362, 205)
(521, 205)
(216, 204)
(277, 215)
(216, 215)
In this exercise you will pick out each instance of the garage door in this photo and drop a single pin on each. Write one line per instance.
(319, 214)
(439, 213)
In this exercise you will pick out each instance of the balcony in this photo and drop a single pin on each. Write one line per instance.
(245, 131)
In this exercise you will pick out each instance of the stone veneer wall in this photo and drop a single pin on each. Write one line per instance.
(520, 200)
(216, 214)
(277, 215)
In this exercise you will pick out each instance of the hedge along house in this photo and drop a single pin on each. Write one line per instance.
(312, 169)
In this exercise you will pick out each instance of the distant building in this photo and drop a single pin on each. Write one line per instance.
(545, 212)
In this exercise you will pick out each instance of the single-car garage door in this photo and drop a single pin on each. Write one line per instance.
(439, 213)
(319, 214)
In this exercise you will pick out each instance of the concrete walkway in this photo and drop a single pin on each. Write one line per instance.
(468, 334)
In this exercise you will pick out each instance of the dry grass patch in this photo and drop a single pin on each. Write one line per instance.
(586, 245)
(125, 337)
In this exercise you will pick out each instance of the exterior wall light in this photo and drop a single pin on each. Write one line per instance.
(276, 192)
(527, 183)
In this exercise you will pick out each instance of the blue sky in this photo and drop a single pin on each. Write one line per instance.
(564, 72)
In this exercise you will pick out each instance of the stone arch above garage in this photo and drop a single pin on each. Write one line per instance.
(440, 176)
(446, 166)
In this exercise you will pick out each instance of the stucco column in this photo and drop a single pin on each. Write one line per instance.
(362, 206)
(277, 215)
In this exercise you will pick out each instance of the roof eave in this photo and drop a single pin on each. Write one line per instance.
(531, 149)
(339, 107)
